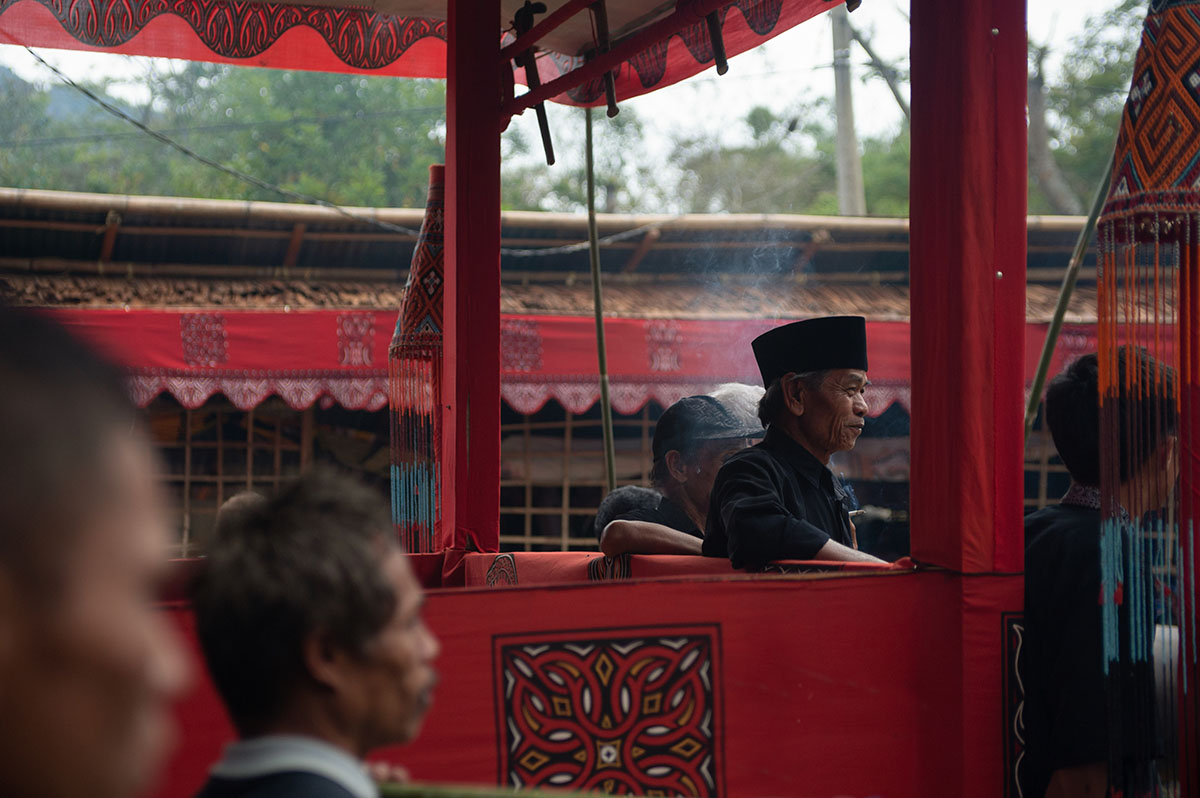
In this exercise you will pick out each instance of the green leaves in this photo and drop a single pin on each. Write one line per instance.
(350, 139)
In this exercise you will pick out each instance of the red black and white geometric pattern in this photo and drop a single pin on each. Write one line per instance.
(298, 389)
(202, 336)
(603, 569)
(520, 345)
(650, 66)
(662, 345)
(1013, 624)
(502, 571)
(625, 712)
(369, 391)
(421, 312)
(359, 37)
(1157, 162)
(529, 394)
(356, 338)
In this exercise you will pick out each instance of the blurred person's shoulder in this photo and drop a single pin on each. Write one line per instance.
(1061, 529)
(291, 784)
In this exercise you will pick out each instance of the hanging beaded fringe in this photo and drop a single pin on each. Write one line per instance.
(415, 377)
(1150, 480)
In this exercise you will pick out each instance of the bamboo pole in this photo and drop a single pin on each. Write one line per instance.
(1064, 298)
(246, 213)
(610, 468)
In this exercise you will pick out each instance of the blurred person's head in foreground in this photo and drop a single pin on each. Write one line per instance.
(1146, 464)
(692, 440)
(87, 664)
(235, 509)
(309, 617)
(815, 375)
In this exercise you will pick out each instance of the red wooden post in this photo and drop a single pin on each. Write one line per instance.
(471, 382)
(967, 272)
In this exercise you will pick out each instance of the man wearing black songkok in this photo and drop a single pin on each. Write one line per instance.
(778, 499)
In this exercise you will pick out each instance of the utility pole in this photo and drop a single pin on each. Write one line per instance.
(852, 199)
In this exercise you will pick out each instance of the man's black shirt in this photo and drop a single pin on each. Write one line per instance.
(774, 501)
(1066, 724)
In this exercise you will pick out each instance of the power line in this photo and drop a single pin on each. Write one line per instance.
(296, 120)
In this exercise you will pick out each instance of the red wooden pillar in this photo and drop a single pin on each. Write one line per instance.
(967, 273)
(471, 382)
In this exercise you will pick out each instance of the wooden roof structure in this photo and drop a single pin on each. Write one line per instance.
(83, 250)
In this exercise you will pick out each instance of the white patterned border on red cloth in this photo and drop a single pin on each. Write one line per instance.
(370, 392)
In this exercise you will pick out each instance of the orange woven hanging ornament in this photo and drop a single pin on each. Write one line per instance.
(1149, 323)
(415, 383)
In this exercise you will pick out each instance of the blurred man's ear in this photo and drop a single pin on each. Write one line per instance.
(325, 661)
(676, 466)
(793, 393)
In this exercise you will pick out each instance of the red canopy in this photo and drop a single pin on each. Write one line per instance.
(341, 356)
(358, 40)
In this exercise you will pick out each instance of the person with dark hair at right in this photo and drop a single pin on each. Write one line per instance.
(692, 440)
(1066, 703)
(309, 617)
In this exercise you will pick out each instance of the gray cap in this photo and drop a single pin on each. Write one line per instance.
(698, 418)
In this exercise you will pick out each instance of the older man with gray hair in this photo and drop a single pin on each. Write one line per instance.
(778, 499)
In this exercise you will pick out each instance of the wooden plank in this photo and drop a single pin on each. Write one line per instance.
(111, 224)
(294, 244)
(643, 248)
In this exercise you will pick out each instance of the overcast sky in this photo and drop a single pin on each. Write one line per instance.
(793, 67)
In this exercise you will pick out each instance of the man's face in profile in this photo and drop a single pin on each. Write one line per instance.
(87, 667)
(834, 414)
(396, 674)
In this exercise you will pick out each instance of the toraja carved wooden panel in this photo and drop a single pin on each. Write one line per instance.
(1014, 701)
(633, 711)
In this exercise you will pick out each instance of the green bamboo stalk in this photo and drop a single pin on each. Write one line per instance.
(1064, 298)
(610, 466)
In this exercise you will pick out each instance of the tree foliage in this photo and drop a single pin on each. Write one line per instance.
(624, 179)
(344, 138)
(1086, 98)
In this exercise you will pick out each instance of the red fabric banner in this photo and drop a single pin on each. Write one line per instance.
(245, 34)
(794, 685)
(311, 355)
(353, 40)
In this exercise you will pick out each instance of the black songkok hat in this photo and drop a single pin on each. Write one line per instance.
(832, 342)
(698, 418)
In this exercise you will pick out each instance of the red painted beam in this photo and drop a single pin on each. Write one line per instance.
(684, 15)
(471, 369)
(967, 272)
